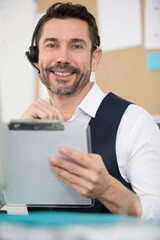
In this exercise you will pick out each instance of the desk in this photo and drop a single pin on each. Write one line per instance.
(68, 226)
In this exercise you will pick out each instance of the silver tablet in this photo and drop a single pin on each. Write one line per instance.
(28, 147)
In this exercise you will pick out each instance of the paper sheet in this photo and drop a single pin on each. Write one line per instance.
(152, 24)
(119, 24)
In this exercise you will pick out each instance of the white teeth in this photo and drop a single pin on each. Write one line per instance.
(63, 73)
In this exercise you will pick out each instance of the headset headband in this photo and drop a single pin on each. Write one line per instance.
(32, 53)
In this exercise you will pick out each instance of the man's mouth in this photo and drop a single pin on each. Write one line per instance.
(62, 70)
(64, 74)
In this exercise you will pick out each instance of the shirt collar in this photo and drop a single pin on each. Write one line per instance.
(92, 100)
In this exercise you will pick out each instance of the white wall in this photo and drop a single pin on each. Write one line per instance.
(16, 74)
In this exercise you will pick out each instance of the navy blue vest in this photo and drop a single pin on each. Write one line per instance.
(103, 138)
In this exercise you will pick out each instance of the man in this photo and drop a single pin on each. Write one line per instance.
(123, 173)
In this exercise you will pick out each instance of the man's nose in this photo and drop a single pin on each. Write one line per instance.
(63, 55)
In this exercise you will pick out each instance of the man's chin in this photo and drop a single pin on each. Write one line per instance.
(61, 90)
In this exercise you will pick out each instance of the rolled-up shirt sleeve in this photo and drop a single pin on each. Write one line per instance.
(150, 208)
(138, 157)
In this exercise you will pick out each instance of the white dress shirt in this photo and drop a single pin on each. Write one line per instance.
(137, 149)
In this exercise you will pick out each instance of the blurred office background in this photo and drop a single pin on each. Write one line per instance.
(130, 37)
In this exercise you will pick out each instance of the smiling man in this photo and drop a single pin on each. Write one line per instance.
(65, 59)
(123, 170)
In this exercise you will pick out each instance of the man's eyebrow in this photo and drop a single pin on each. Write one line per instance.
(50, 40)
(75, 40)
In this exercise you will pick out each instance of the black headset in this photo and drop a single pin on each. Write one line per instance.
(32, 53)
(97, 43)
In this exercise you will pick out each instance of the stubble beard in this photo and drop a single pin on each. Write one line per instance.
(80, 82)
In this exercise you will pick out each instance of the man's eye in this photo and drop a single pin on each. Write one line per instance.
(52, 45)
(77, 46)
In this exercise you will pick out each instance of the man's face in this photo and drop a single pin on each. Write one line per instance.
(65, 60)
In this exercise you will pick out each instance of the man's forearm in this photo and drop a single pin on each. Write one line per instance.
(120, 200)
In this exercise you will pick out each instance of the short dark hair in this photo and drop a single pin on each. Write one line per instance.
(70, 10)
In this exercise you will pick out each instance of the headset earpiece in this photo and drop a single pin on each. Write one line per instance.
(33, 52)
(32, 56)
(97, 43)
(31, 62)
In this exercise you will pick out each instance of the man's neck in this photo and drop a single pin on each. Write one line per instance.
(68, 104)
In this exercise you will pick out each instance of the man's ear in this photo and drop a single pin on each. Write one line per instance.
(96, 56)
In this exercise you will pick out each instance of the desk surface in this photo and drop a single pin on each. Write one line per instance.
(66, 218)
(49, 225)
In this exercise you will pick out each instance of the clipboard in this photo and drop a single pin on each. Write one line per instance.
(28, 145)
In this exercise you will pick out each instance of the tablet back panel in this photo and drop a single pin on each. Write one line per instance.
(30, 180)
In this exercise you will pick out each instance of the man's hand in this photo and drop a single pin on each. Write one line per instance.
(40, 109)
(89, 177)
(85, 174)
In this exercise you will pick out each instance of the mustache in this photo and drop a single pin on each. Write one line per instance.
(66, 67)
